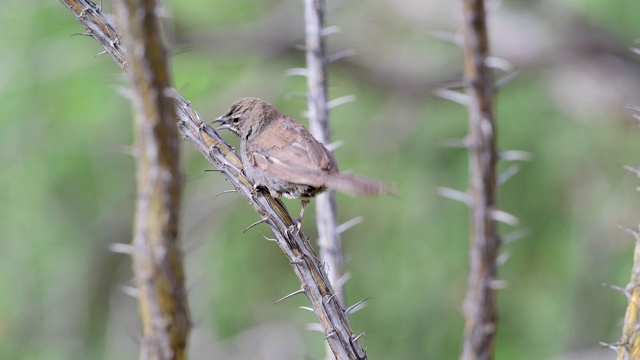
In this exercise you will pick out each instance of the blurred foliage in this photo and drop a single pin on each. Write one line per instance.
(66, 185)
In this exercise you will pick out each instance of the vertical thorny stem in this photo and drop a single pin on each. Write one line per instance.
(328, 236)
(629, 345)
(479, 306)
(157, 258)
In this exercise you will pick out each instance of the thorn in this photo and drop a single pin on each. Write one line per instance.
(83, 13)
(631, 169)
(455, 143)
(130, 290)
(628, 230)
(636, 116)
(610, 346)
(508, 174)
(343, 279)
(329, 30)
(358, 337)
(328, 298)
(266, 238)
(193, 286)
(88, 33)
(297, 72)
(632, 108)
(120, 248)
(456, 195)
(192, 246)
(228, 192)
(515, 235)
(101, 53)
(504, 217)
(331, 334)
(498, 63)
(314, 327)
(301, 291)
(290, 96)
(506, 79)
(459, 85)
(125, 92)
(626, 292)
(498, 284)
(349, 224)
(294, 230)
(307, 308)
(354, 308)
(341, 101)
(264, 219)
(452, 95)
(325, 267)
(446, 36)
(515, 155)
(334, 145)
(502, 258)
(341, 55)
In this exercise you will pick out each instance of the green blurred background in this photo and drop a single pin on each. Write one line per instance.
(67, 181)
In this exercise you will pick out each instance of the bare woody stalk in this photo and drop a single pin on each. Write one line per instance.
(157, 258)
(629, 345)
(314, 281)
(329, 239)
(480, 305)
(326, 213)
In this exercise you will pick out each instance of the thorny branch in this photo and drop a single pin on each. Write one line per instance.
(329, 239)
(333, 319)
(326, 213)
(157, 258)
(479, 305)
(629, 345)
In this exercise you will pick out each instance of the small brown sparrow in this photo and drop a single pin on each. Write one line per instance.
(279, 154)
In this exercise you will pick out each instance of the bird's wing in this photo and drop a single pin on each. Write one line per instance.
(289, 152)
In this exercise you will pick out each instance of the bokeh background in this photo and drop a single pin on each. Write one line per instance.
(67, 179)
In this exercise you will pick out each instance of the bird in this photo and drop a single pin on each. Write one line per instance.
(279, 154)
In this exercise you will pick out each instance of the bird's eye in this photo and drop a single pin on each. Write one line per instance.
(235, 120)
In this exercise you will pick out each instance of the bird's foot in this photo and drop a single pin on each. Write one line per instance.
(255, 189)
(296, 227)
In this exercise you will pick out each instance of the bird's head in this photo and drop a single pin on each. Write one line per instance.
(247, 116)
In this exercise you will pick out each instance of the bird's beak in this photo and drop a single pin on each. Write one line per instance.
(223, 126)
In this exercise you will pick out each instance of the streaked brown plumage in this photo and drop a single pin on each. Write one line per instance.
(279, 154)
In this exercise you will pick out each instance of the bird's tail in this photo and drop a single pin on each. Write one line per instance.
(356, 185)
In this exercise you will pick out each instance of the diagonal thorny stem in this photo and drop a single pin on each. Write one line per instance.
(314, 281)
(479, 305)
